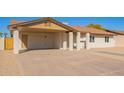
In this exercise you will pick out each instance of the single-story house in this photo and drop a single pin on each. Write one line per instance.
(48, 33)
(119, 38)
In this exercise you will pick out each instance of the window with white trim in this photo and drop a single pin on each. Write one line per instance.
(92, 38)
(106, 39)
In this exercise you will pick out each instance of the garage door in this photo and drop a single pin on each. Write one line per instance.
(41, 41)
(46, 40)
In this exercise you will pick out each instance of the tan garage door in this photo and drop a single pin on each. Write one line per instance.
(41, 40)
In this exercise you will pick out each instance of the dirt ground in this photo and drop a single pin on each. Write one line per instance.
(93, 62)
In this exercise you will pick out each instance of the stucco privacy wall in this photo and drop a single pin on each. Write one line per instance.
(1, 43)
(119, 40)
(83, 40)
(44, 40)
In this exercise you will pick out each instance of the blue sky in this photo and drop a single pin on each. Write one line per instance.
(112, 23)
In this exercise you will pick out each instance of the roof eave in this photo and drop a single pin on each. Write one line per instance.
(41, 20)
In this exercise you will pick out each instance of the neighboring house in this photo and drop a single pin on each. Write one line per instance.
(48, 33)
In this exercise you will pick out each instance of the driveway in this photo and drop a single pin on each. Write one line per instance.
(100, 62)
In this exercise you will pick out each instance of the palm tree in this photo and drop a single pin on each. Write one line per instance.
(5, 34)
(1, 34)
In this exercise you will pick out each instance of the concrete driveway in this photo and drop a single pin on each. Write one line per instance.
(107, 61)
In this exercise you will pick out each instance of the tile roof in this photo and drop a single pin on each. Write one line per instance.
(92, 30)
(117, 32)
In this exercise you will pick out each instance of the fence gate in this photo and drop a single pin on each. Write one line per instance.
(8, 44)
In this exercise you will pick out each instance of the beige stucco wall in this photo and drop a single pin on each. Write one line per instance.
(99, 41)
(58, 39)
(1, 43)
(44, 40)
(55, 40)
(119, 41)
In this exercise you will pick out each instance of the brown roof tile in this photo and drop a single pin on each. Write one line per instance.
(92, 30)
(116, 32)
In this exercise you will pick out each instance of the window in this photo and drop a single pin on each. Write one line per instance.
(92, 38)
(106, 39)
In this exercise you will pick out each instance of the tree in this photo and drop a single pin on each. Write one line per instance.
(5, 34)
(1, 34)
(97, 26)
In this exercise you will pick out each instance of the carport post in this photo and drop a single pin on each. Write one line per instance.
(16, 42)
(78, 40)
(71, 41)
(87, 40)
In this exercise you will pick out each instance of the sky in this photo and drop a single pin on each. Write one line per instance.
(112, 23)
